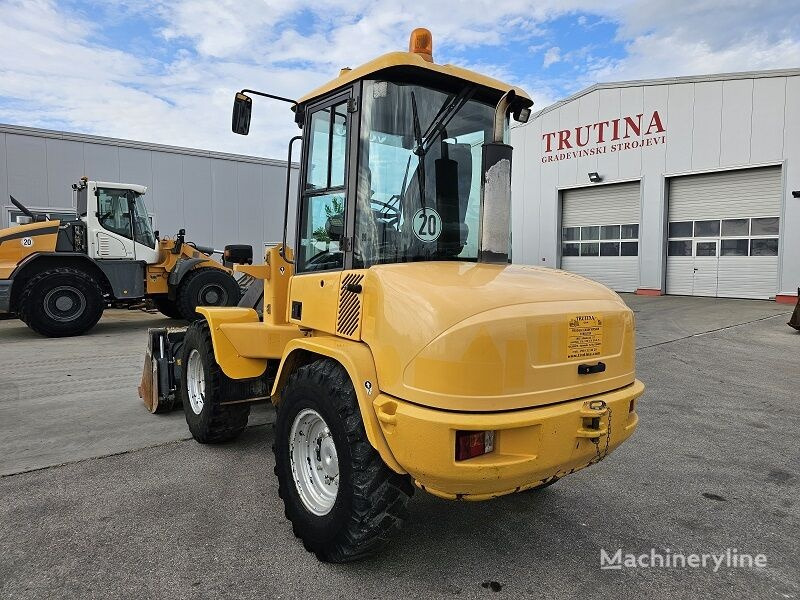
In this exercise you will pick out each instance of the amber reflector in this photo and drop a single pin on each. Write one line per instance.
(421, 43)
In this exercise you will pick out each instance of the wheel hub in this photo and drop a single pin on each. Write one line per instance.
(212, 295)
(195, 381)
(314, 462)
(64, 303)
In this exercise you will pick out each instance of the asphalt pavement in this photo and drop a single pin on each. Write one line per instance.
(100, 499)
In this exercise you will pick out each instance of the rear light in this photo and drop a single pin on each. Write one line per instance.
(470, 444)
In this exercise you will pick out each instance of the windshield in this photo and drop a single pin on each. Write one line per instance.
(418, 193)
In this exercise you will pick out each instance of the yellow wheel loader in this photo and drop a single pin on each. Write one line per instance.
(59, 277)
(396, 341)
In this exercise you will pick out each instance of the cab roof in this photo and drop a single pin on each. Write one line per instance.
(411, 61)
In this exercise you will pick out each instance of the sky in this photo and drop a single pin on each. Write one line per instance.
(165, 71)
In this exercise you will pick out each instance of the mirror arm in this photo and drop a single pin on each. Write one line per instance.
(288, 192)
(272, 96)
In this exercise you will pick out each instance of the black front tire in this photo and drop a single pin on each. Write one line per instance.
(371, 502)
(214, 422)
(167, 307)
(206, 286)
(61, 302)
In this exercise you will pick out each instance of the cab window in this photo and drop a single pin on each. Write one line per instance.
(324, 199)
(113, 211)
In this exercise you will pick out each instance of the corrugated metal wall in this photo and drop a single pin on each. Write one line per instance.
(218, 198)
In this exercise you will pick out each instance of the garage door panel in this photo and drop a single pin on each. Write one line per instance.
(619, 273)
(602, 212)
(680, 275)
(601, 205)
(737, 271)
(705, 276)
(725, 195)
(747, 277)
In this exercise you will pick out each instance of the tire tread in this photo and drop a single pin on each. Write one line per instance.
(26, 306)
(226, 422)
(379, 495)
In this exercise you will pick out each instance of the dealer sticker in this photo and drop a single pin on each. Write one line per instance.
(584, 336)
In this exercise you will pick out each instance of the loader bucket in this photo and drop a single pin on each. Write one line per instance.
(161, 373)
(794, 321)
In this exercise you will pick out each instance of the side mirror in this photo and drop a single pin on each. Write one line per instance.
(238, 254)
(242, 107)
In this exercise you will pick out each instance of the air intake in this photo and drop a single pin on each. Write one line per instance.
(349, 305)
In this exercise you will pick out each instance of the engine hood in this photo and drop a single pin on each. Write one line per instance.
(480, 337)
(19, 241)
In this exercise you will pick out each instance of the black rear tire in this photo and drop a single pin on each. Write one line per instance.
(210, 422)
(167, 307)
(61, 302)
(206, 286)
(371, 502)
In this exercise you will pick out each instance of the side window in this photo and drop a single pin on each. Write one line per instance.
(328, 148)
(113, 212)
(321, 232)
(323, 203)
(319, 150)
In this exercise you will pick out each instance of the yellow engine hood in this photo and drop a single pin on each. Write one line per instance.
(478, 337)
(17, 242)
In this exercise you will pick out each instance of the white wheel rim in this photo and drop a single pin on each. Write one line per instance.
(195, 381)
(314, 461)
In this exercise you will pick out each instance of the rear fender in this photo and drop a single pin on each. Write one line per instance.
(184, 265)
(230, 361)
(356, 358)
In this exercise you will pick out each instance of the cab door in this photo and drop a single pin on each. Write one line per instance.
(111, 226)
(322, 235)
(324, 228)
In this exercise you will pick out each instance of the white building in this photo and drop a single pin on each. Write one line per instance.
(218, 198)
(688, 185)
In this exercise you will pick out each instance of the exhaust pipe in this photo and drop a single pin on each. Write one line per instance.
(495, 215)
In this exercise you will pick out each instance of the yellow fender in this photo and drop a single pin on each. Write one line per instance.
(356, 358)
(228, 358)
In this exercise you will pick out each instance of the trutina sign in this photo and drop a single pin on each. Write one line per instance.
(615, 135)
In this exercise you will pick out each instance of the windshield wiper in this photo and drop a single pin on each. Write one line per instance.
(419, 151)
(424, 142)
(442, 119)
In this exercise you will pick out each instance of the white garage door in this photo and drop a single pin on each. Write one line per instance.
(723, 234)
(600, 234)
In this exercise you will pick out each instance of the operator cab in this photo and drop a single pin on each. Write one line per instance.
(391, 168)
(117, 221)
(412, 189)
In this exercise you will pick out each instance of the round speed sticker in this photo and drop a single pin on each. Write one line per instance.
(27, 242)
(427, 225)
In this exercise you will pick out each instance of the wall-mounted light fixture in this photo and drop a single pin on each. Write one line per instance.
(595, 177)
(796, 194)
